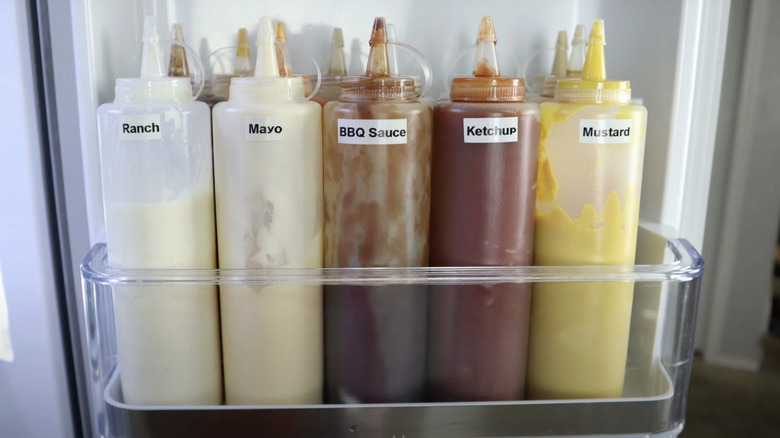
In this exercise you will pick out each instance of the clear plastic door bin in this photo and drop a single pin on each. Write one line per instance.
(664, 285)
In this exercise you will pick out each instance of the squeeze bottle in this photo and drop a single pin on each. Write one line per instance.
(377, 154)
(268, 180)
(483, 194)
(285, 65)
(558, 72)
(155, 150)
(590, 172)
(219, 90)
(337, 68)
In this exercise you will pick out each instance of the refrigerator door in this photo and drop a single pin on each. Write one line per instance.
(35, 388)
(673, 55)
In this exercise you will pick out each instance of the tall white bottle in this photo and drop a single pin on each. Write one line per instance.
(159, 210)
(268, 179)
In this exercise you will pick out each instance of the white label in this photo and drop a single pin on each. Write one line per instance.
(490, 130)
(140, 127)
(263, 128)
(379, 131)
(605, 131)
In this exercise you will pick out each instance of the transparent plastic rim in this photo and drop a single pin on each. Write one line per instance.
(218, 52)
(687, 265)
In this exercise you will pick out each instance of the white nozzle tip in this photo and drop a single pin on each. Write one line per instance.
(150, 29)
(267, 63)
(265, 31)
(579, 35)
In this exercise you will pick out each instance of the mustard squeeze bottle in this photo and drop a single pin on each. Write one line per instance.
(590, 172)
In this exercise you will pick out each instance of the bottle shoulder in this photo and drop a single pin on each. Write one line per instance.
(593, 109)
(267, 108)
(487, 109)
(376, 110)
(152, 107)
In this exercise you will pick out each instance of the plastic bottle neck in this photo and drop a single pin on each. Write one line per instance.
(258, 89)
(153, 90)
(481, 89)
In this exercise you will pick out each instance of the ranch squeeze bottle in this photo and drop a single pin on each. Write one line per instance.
(377, 155)
(590, 171)
(268, 180)
(485, 153)
(155, 159)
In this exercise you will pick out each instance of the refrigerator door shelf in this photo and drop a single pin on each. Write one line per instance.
(665, 295)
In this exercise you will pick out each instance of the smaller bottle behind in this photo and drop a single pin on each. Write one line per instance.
(285, 65)
(268, 182)
(155, 156)
(337, 68)
(559, 69)
(217, 89)
(485, 153)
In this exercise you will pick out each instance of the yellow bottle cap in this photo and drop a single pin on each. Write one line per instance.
(594, 87)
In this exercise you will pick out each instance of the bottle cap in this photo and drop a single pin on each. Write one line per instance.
(559, 67)
(267, 85)
(241, 65)
(152, 85)
(283, 57)
(577, 59)
(594, 86)
(177, 63)
(378, 84)
(337, 67)
(487, 85)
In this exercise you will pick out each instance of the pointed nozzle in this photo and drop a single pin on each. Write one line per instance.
(487, 32)
(486, 62)
(579, 36)
(391, 56)
(337, 66)
(241, 65)
(595, 67)
(177, 63)
(378, 63)
(266, 65)
(151, 58)
(281, 32)
(243, 43)
(577, 57)
(176, 33)
(282, 55)
(561, 62)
